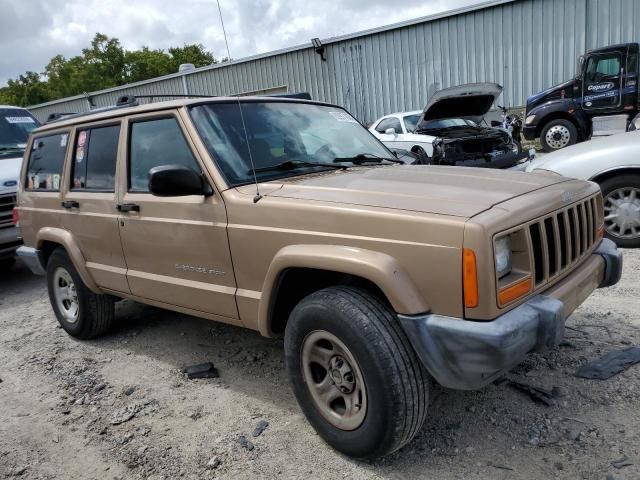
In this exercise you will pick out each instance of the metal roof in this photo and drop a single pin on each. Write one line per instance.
(327, 41)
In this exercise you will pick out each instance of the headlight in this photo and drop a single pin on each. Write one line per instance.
(503, 256)
(529, 120)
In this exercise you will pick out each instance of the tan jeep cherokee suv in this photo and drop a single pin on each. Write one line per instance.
(290, 218)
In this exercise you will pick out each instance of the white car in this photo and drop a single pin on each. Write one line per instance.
(448, 131)
(614, 163)
(15, 125)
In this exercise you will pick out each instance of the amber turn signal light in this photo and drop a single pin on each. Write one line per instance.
(469, 278)
(515, 291)
(601, 232)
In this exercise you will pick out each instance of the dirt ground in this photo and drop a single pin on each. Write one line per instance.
(119, 407)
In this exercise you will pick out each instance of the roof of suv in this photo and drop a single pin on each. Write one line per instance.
(164, 105)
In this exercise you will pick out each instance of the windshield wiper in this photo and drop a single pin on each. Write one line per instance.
(292, 164)
(362, 158)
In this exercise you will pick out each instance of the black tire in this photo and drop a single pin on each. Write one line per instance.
(95, 312)
(423, 158)
(7, 264)
(611, 185)
(397, 385)
(518, 145)
(563, 124)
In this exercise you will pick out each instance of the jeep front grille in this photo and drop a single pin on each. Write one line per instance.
(7, 202)
(562, 239)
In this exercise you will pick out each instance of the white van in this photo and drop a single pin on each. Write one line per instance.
(15, 125)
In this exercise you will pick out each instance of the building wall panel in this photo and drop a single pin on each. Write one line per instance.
(525, 45)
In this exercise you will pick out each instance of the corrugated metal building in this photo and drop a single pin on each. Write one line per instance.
(525, 45)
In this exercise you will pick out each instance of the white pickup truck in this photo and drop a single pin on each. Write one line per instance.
(15, 125)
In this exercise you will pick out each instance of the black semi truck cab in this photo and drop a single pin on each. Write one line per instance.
(600, 100)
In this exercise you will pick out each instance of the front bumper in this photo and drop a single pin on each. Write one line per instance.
(32, 258)
(467, 355)
(9, 241)
(529, 131)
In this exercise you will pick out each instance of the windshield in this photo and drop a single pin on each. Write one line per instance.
(446, 123)
(15, 126)
(411, 121)
(280, 132)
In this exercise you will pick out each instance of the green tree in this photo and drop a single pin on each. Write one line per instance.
(104, 64)
(194, 53)
(27, 89)
(146, 63)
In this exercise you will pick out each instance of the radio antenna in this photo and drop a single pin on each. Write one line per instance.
(244, 127)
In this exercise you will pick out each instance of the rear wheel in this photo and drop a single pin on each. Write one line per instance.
(82, 313)
(622, 210)
(557, 134)
(354, 372)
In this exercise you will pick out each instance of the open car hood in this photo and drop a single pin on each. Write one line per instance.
(463, 101)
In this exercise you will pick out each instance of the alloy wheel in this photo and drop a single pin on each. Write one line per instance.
(66, 295)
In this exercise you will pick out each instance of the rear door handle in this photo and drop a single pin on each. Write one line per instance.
(128, 207)
(70, 204)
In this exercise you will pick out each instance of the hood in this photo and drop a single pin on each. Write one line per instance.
(585, 160)
(454, 191)
(552, 93)
(469, 100)
(9, 173)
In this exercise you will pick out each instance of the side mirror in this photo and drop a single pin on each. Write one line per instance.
(177, 181)
(390, 131)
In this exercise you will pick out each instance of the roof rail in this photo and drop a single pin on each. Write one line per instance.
(126, 101)
(298, 95)
(54, 117)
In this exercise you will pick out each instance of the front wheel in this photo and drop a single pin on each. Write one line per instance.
(423, 158)
(622, 210)
(354, 372)
(558, 134)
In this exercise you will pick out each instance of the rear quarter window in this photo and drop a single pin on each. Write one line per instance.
(44, 168)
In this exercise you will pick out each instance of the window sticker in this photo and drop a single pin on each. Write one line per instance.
(79, 154)
(36, 181)
(56, 181)
(343, 117)
(82, 138)
(48, 182)
(63, 140)
(19, 119)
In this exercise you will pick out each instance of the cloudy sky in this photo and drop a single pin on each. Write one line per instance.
(32, 31)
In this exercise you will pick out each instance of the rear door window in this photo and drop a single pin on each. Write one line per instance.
(153, 143)
(94, 159)
(45, 162)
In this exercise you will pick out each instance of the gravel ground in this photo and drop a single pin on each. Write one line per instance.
(119, 407)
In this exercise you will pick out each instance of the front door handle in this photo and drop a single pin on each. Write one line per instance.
(128, 207)
(70, 204)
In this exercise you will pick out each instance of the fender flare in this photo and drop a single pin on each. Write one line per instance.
(66, 240)
(578, 116)
(379, 268)
(610, 172)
